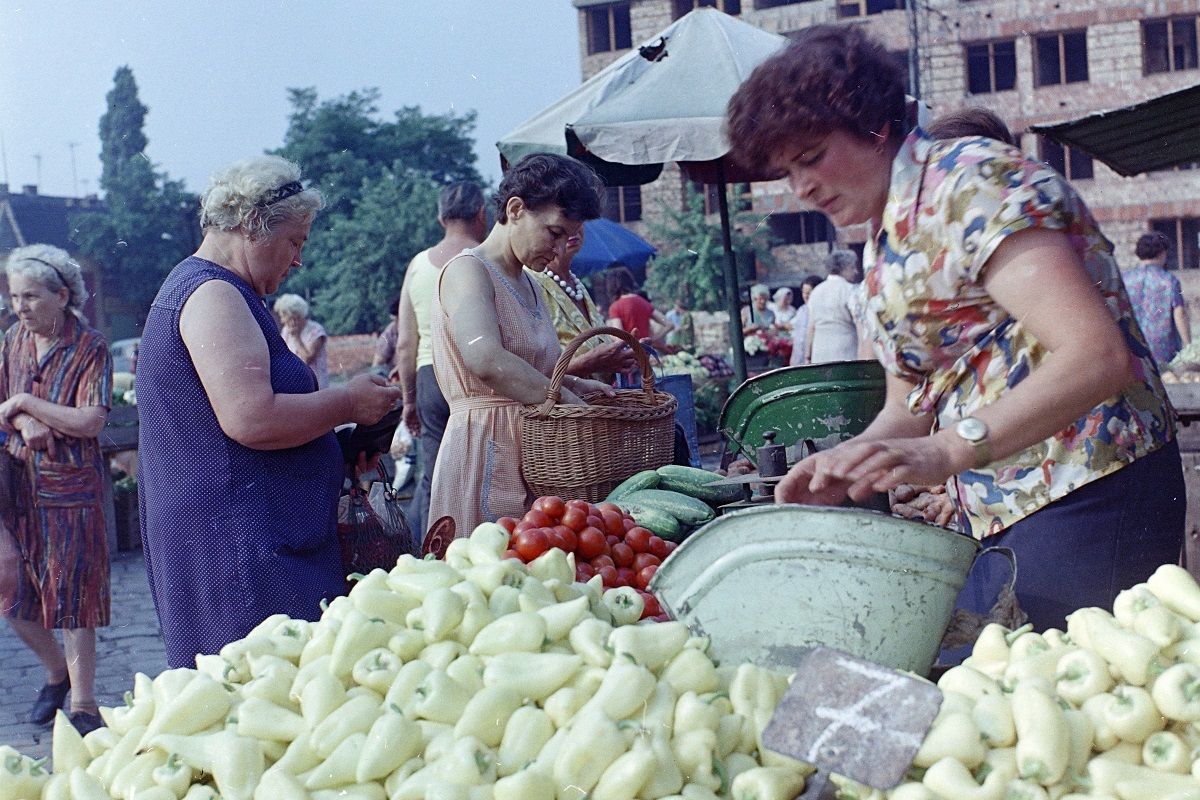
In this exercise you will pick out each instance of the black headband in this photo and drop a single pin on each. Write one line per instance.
(51, 266)
(282, 193)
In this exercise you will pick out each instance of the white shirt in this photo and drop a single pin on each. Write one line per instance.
(835, 337)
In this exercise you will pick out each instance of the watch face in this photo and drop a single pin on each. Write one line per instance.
(971, 429)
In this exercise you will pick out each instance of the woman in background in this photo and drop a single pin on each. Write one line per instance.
(304, 337)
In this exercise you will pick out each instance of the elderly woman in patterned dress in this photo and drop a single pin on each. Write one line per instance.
(56, 385)
(1015, 369)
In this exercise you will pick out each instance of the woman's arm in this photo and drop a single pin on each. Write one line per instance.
(1182, 324)
(812, 326)
(231, 357)
(1088, 363)
(84, 422)
(469, 301)
(407, 339)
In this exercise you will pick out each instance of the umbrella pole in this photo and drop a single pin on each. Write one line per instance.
(732, 295)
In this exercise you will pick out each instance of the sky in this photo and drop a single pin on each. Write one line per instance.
(215, 74)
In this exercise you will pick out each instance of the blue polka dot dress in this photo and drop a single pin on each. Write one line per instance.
(230, 534)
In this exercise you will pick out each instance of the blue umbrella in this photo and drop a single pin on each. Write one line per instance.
(607, 244)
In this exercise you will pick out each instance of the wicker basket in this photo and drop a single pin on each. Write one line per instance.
(583, 452)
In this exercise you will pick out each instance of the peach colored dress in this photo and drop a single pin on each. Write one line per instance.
(478, 473)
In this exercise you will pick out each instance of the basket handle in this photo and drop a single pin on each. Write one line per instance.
(554, 391)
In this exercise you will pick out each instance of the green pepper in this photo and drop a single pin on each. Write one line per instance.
(21, 777)
(260, 719)
(1177, 693)
(589, 639)
(562, 617)
(1132, 715)
(624, 604)
(691, 670)
(357, 636)
(592, 743)
(235, 762)
(440, 655)
(67, 749)
(528, 784)
(138, 775)
(624, 690)
(534, 675)
(487, 713)
(376, 669)
(467, 670)
(320, 697)
(476, 617)
(271, 680)
(1043, 736)
(524, 631)
(83, 785)
(392, 740)
(626, 776)
(278, 784)
(553, 564)
(339, 767)
(767, 783)
(383, 603)
(356, 715)
(505, 600)
(526, 733)
(173, 775)
(442, 611)
(439, 698)
(1177, 589)
(487, 543)
(402, 691)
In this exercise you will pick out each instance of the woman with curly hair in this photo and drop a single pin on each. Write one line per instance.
(1015, 369)
(56, 388)
(240, 470)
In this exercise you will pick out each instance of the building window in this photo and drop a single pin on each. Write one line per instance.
(623, 203)
(1169, 45)
(991, 67)
(1184, 234)
(732, 7)
(805, 227)
(608, 28)
(1060, 58)
(761, 5)
(861, 8)
(901, 58)
(739, 200)
(1072, 164)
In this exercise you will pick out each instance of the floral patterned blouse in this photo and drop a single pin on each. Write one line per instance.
(950, 205)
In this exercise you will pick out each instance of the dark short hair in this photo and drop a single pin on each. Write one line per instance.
(623, 281)
(548, 179)
(1151, 245)
(829, 77)
(460, 200)
(971, 121)
(812, 280)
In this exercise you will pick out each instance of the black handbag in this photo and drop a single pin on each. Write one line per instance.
(8, 480)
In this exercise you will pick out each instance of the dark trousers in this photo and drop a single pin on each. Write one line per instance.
(1082, 549)
(433, 412)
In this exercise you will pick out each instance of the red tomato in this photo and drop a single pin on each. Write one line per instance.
(575, 518)
(603, 561)
(643, 560)
(584, 572)
(612, 540)
(591, 543)
(595, 521)
(658, 546)
(671, 547)
(644, 575)
(629, 523)
(567, 536)
(638, 538)
(508, 523)
(582, 504)
(524, 526)
(608, 575)
(625, 576)
(551, 506)
(531, 544)
(613, 507)
(553, 539)
(614, 523)
(622, 555)
(539, 518)
(512, 554)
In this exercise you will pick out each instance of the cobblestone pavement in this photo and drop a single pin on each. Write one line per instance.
(131, 644)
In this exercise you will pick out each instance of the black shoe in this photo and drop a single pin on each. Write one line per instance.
(85, 722)
(49, 700)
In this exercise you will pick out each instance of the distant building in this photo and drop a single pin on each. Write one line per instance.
(1030, 61)
(27, 217)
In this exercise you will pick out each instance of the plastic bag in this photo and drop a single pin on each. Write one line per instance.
(372, 528)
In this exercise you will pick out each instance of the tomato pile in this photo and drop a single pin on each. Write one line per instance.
(605, 540)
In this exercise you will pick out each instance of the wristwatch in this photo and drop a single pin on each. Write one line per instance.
(975, 432)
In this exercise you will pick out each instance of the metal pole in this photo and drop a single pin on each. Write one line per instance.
(914, 68)
(732, 295)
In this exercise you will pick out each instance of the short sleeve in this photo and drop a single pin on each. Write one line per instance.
(1176, 293)
(994, 198)
(312, 332)
(95, 379)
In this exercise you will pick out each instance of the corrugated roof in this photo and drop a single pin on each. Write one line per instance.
(1154, 134)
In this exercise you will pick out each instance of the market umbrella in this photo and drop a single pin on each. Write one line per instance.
(607, 244)
(663, 101)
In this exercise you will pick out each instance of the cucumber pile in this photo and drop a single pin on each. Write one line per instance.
(672, 501)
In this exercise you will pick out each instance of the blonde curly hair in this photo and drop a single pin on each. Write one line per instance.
(255, 195)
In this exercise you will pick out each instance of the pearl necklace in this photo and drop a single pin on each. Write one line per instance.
(574, 289)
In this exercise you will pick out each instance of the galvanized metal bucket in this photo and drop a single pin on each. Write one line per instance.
(766, 583)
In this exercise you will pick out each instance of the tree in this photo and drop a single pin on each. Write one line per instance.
(693, 257)
(148, 222)
(380, 179)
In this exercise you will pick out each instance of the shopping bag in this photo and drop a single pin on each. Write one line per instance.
(372, 528)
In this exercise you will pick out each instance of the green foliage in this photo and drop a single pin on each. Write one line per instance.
(691, 261)
(381, 180)
(149, 221)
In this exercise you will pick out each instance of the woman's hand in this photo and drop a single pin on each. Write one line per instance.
(14, 405)
(412, 419)
(371, 397)
(586, 386)
(614, 356)
(37, 434)
(859, 469)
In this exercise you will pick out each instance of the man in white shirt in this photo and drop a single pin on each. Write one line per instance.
(832, 329)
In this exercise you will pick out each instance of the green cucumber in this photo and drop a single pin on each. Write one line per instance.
(660, 523)
(646, 479)
(684, 508)
(697, 483)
